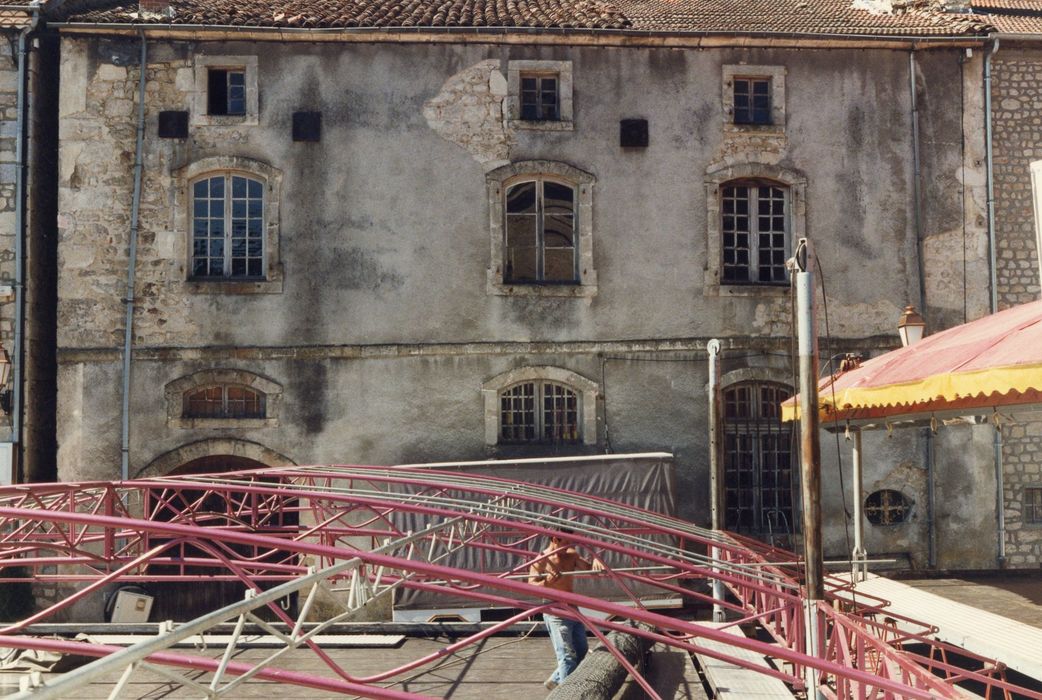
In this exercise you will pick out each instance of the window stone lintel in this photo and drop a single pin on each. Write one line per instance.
(588, 390)
(272, 177)
(583, 181)
(716, 176)
(175, 390)
(203, 64)
(563, 69)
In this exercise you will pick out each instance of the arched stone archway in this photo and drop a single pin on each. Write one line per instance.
(205, 455)
(214, 455)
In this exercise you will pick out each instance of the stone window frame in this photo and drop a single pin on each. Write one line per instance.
(175, 391)
(497, 182)
(208, 167)
(757, 426)
(776, 75)
(715, 178)
(200, 103)
(586, 389)
(563, 71)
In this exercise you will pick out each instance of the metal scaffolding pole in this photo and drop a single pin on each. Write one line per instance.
(716, 466)
(860, 566)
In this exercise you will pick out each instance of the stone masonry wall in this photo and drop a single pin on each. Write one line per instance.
(1017, 139)
(1022, 468)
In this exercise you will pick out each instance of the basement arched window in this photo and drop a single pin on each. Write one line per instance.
(224, 401)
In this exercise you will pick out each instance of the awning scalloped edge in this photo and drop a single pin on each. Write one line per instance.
(993, 386)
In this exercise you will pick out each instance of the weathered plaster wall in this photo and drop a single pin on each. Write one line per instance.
(384, 331)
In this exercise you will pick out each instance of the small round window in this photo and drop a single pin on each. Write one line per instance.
(887, 507)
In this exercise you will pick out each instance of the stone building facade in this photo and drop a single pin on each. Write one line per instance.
(383, 325)
(28, 244)
(1017, 144)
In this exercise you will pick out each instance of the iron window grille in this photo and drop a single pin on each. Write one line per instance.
(887, 507)
(755, 232)
(539, 412)
(224, 401)
(226, 92)
(757, 460)
(228, 227)
(540, 98)
(752, 101)
(541, 233)
(1033, 505)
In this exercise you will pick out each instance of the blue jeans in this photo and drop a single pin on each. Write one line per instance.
(569, 640)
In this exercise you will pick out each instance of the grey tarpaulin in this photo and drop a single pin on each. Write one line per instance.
(645, 480)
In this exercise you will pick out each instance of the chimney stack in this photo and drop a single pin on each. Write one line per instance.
(155, 7)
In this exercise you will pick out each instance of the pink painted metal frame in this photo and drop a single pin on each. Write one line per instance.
(277, 526)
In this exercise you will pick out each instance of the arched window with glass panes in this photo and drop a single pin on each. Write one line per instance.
(539, 412)
(228, 227)
(541, 236)
(758, 451)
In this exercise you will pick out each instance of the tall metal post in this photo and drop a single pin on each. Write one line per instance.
(860, 568)
(810, 452)
(716, 465)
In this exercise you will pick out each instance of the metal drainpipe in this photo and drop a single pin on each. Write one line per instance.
(21, 154)
(128, 335)
(928, 449)
(993, 276)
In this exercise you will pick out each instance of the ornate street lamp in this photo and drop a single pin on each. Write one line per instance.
(911, 326)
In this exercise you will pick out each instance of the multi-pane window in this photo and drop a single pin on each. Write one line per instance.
(540, 233)
(887, 507)
(540, 99)
(539, 412)
(752, 100)
(755, 231)
(226, 91)
(1033, 505)
(757, 460)
(228, 227)
(224, 401)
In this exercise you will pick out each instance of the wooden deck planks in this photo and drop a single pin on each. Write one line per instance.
(731, 682)
(983, 632)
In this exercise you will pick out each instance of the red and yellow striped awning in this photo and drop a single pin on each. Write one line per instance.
(990, 363)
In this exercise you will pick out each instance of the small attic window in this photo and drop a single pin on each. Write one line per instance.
(226, 93)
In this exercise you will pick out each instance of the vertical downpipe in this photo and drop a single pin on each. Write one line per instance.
(919, 247)
(810, 455)
(993, 277)
(716, 467)
(135, 211)
(21, 155)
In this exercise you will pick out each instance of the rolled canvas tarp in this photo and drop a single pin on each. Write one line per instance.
(644, 480)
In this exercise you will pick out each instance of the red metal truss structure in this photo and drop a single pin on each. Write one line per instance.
(375, 532)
